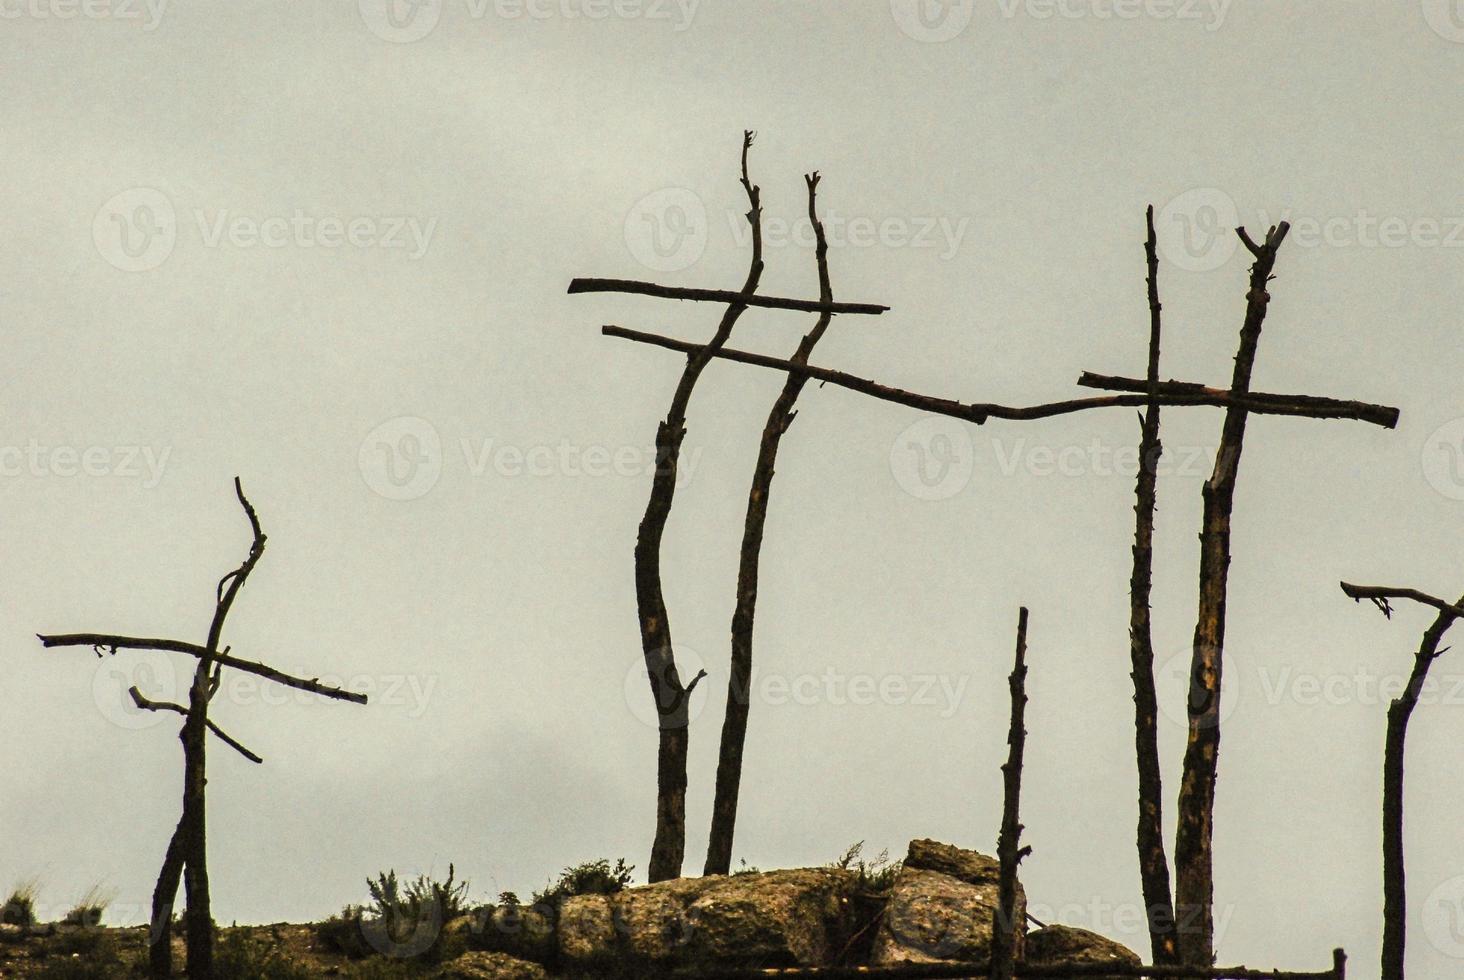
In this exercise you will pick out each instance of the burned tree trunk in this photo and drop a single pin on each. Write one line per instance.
(1153, 864)
(739, 681)
(187, 853)
(1395, 894)
(1193, 846)
(1009, 851)
(671, 695)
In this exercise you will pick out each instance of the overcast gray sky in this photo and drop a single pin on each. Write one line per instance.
(325, 247)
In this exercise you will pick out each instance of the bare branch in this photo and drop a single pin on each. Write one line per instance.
(1381, 594)
(149, 705)
(720, 296)
(1307, 406)
(106, 641)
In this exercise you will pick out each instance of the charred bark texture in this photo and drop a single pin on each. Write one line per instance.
(1400, 710)
(670, 694)
(1193, 847)
(1153, 863)
(739, 680)
(1009, 849)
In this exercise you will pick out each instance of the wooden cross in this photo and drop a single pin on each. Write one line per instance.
(1193, 855)
(187, 851)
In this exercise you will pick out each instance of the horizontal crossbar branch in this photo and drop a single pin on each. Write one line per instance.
(1381, 594)
(976, 412)
(103, 640)
(1306, 406)
(720, 296)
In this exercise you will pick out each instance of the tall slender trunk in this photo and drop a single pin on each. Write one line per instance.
(1395, 896)
(739, 680)
(1194, 838)
(165, 893)
(670, 694)
(1005, 948)
(1153, 865)
(198, 916)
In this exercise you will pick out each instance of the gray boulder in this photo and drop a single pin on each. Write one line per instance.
(798, 917)
(942, 907)
(1069, 944)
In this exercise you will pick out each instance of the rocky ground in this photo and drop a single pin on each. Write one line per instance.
(937, 907)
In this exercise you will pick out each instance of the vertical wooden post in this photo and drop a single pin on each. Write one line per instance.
(1009, 851)
(1153, 864)
(739, 680)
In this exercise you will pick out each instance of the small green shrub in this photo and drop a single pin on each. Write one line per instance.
(746, 869)
(342, 934)
(590, 878)
(237, 956)
(20, 907)
(89, 911)
(873, 876)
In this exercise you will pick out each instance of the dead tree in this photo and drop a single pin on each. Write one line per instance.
(1193, 851)
(1153, 864)
(671, 695)
(1009, 849)
(1395, 898)
(739, 680)
(187, 853)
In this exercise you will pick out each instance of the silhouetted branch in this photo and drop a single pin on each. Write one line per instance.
(1306, 406)
(721, 296)
(1380, 595)
(108, 641)
(149, 705)
(1009, 851)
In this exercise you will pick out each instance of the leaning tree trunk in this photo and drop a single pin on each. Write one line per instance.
(165, 893)
(1193, 846)
(739, 680)
(670, 694)
(1395, 896)
(1153, 865)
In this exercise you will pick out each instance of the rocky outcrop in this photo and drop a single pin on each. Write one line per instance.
(799, 917)
(942, 907)
(479, 965)
(1068, 944)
